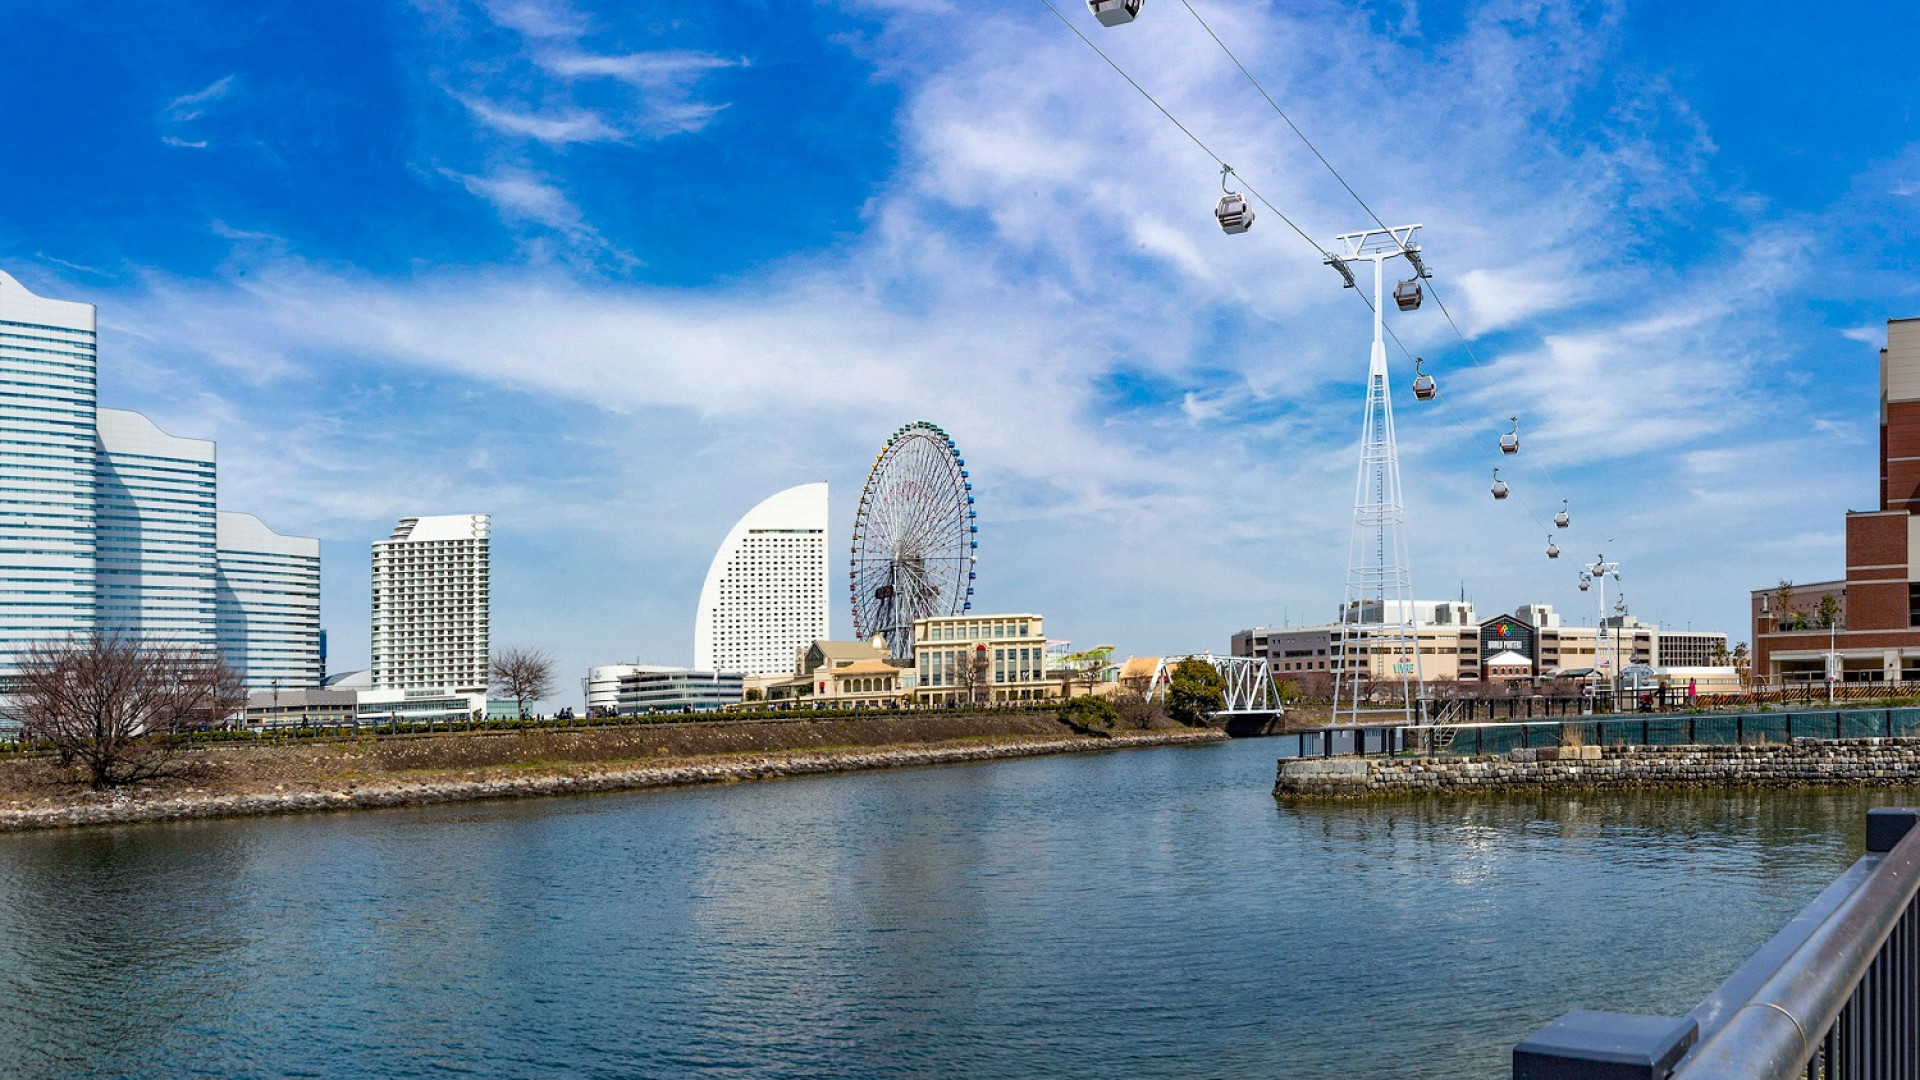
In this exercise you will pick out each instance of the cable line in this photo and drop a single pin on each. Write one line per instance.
(1184, 130)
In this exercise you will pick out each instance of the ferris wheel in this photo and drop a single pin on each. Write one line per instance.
(915, 541)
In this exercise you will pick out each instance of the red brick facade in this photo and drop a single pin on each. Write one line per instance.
(1876, 636)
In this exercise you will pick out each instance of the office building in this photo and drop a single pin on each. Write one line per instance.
(431, 586)
(603, 687)
(1455, 647)
(47, 402)
(154, 553)
(964, 659)
(111, 523)
(1872, 627)
(646, 689)
(765, 596)
(267, 604)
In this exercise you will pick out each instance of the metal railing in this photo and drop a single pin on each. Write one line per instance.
(1694, 729)
(1835, 995)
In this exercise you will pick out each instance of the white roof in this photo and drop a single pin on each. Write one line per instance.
(244, 532)
(1509, 659)
(123, 431)
(19, 305)
(443, 527)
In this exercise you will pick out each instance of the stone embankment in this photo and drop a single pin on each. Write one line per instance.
(1801, 763)
(551, 779)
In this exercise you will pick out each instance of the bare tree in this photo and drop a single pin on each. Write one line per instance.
(973, 675)
(523, 674)
(112, 707)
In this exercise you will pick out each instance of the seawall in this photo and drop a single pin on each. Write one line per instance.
(1801, 763)
(549, 778)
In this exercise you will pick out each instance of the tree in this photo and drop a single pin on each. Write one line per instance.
(111, 707)
(1195, 692)
(1827, 614)
(1784, 616)
(1742, 662)
(973, 674)
(523, 674)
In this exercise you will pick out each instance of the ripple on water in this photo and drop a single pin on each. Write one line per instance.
(1146, 914)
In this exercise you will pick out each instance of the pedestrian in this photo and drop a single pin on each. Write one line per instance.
(1693, 688)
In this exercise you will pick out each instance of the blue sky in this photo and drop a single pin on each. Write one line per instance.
(614, 273)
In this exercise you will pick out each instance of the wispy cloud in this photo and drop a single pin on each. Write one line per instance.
(571, 126)
(187, 108)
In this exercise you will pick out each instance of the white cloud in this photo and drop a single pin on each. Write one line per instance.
(191, 106)
(570, 126)
(1135, 390)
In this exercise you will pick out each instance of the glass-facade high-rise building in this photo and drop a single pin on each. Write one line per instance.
(47, 397)
(154, 564)
(107, 523)
(267, 604)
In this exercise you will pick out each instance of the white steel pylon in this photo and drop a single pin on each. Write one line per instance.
(1379, 638)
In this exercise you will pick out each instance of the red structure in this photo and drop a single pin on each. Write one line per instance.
(1873, 618)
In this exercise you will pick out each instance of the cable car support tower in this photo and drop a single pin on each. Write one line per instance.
(1377, 618)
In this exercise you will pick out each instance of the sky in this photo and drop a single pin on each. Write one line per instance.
(614, 273)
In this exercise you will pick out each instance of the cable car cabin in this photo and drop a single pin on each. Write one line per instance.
(1499, 485)
(1584, 584)
(1234, 212)
(1424, 386)
(1115, 12)
(1510, 442)
(1553, 549)
(1407, 295)
(1562, 519)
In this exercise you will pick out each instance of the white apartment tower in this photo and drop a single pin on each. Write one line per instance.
(430, 605)
(765, 596)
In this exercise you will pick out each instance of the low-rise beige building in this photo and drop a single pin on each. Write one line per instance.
(963, 659)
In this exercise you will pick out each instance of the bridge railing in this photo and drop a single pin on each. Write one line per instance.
(1835, 995)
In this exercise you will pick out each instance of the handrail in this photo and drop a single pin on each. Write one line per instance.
(1831, 995)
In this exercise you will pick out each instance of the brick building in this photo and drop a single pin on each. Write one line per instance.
(1875, 617)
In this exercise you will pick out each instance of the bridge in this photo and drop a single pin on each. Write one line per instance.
(1252, 701)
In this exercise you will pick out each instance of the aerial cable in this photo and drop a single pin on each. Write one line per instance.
(1335, 173)
(1277, 212)
(1184, 130)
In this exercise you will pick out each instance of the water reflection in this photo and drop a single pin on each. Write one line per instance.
(1147, 914)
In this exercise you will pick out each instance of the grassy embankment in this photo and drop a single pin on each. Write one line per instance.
(263, 777)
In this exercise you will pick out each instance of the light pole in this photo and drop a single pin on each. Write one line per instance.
(1598, 574)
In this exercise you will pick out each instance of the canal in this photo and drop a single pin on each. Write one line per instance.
(1144, 914)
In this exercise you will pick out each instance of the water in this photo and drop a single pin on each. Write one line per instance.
(1143, 914)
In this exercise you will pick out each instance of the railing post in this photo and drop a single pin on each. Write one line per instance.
(1586, 1045)
(1740, 730)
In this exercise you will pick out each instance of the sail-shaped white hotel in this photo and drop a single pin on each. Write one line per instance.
(765, 597)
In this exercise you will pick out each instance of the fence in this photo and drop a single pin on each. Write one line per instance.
(1692, 729)
(1833, 996)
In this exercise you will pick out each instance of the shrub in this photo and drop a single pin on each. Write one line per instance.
(1088, 713)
